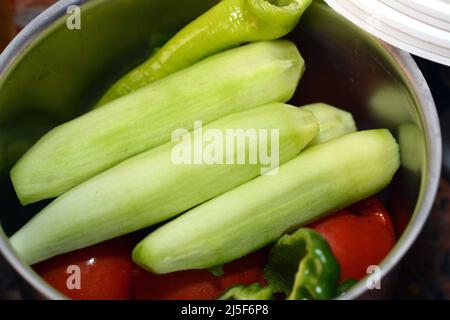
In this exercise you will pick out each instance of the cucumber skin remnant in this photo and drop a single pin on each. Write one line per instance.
(322, 179)
(228, 24)
(236, 80)
(150, 187)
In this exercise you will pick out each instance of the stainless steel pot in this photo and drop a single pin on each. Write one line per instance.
(50, 74)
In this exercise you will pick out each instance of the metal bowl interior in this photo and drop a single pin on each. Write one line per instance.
(50, 74)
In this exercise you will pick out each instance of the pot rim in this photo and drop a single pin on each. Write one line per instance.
(413, 77)
(433, 164)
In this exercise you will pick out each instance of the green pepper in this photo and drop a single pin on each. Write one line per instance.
(301, 265)
(250, 292)
(315, 277)
(346, 286)
(226, 25)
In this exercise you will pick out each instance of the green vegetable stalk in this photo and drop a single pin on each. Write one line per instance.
(226, 25)
(322, 179)
(232, 81)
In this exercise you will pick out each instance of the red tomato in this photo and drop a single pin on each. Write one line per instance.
(359, 236)
(401, 214)
(400, 209)
(245, 271)
(198, 284)
(105, 271)
(182, 285)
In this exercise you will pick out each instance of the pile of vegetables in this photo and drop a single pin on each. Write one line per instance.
(216, 230)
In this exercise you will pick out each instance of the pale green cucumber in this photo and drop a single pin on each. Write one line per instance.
(153, 186)
(321, 179)
(333, 122)
(229, 82)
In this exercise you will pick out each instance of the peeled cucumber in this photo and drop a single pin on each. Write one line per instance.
(232, 81)
(152, 187)
(322, 179)
(333, 122)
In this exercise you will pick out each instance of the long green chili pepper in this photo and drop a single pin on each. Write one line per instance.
(301, 265)
(226, 25)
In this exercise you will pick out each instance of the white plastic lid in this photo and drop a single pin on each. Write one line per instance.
(421, 27)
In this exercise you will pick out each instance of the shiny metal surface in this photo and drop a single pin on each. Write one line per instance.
(52, 73)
